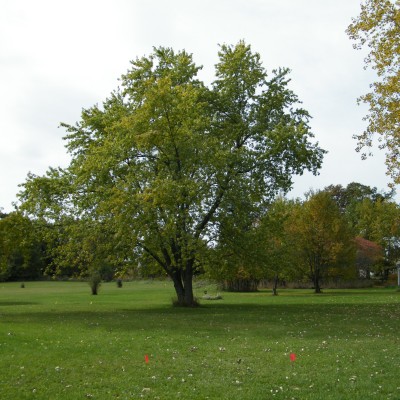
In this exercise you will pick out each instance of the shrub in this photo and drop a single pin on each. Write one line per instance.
(95, 282)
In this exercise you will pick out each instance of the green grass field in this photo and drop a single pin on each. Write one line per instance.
(59, 342)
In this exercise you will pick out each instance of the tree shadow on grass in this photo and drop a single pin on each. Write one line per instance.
(221, 314)
(344, 314)
(17, 303)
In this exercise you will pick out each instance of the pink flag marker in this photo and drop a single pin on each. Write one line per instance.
(292, 357)
(146, 359)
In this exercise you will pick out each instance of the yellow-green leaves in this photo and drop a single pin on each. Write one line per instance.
(321, 236)
(378, 27)
(165, 159)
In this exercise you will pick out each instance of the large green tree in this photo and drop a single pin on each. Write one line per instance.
(165, 158)
(378, 28)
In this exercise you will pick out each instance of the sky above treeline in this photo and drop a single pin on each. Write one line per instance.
(57, 57)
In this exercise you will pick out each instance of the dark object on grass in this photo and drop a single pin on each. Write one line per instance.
(177, 303)
(22, 285)
(94, 283)
(119, 283)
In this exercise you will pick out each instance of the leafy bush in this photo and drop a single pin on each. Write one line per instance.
(95, 282)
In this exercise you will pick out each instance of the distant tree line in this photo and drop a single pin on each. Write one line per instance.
(338, 234)
(23, 252)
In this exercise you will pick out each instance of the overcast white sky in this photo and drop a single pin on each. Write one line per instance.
(57, 57)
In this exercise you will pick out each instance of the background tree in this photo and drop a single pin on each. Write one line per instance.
(350, 197)
(369, 255)
(22, 253)
(165, 158)
(347, 197)
(274, 243)
(237, 260)
(380, 222)
(254, 248)
(378, 27)
(321, 238)
(375, 217)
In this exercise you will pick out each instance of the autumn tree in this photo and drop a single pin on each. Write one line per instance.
(368, 255)
(321, 238)
(379, 221)
(378, 28)
(165, 158)
(375, 217)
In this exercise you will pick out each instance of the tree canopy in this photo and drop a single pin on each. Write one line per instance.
(321, 236)
(166, 159)
(22, 254)
(378, 27)
(373, 216)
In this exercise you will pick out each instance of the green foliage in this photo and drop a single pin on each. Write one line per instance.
(94, 282)
(380, 222)
(255, 247)
(21, 250)
(378, 27)
(276, 242)
(373, 216)
(347, 198)
(321, 238)
(166, 159)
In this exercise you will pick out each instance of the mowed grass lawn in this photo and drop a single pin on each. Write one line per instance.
(59, 342)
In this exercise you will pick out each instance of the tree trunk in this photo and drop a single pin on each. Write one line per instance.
(316, 281)
(386, 274)
(275, 286)
(188, 281)
(183, 284)
(178, 285)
